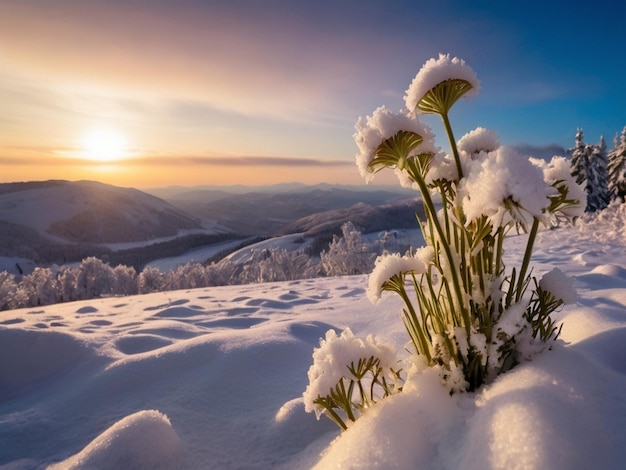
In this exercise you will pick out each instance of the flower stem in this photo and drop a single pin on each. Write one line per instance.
(445, 243)
(455, 151)
(526, 261)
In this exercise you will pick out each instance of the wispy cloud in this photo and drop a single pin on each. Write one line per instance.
(284, 66)
(183, 160)
(265, 161)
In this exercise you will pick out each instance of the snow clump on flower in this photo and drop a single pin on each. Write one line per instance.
(559, 285)
(559, 169)
(505, 177)
(389, 265)
(332, 358)
(372, 130)
(479, 140)
(435, 71)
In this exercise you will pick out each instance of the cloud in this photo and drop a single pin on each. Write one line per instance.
(266, 161)
(183, 160)
(252, 60)
(545, 152)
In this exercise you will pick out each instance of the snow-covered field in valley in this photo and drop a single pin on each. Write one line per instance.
(213, 378)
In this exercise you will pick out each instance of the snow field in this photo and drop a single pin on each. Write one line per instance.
(213, 378)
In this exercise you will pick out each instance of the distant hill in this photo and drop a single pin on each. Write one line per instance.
(51, 219)
(268, 213)
(62, 222)
(399, 214)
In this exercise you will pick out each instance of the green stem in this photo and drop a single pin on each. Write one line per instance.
(430, 207)
(499, 248)
(455, 151)
(526, 261)
(417, 329)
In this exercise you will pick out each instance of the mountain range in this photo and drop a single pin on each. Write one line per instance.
(61, 221)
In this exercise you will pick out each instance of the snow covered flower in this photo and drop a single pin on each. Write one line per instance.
(332, 358)
(559, 285)
(506, 187)
(373, 131)
(439, 84)
(479, 140)
(390, 265)
(558, 173)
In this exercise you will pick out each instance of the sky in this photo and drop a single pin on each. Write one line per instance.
(149, 93)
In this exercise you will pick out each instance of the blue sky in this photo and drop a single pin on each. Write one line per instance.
(251, 92)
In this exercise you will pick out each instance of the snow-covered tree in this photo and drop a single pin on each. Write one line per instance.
(7, 291)
(580, 158)
(41, 287)
(617, 167)
(150, 280)
(125, 280)
(590, 166)
(270, 265)
(220, 274)
(186, 276)
(348, 254)
(68, 290)
(598, 195)
(94, 279)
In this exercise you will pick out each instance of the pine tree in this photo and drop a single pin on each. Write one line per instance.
(617, 167)
(590, 166)
(580, 158)
(598, 196)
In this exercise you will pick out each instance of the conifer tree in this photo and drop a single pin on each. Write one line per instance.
(617, 167)
(598, 196)
(580, 158)
(590, 166)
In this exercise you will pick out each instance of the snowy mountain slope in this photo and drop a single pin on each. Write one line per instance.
(62, 221)
(368, 218)
(92, 212)
(267, 212)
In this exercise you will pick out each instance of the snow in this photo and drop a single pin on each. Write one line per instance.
(502, 177)
(479, 140)
(435, 71)
(389, 265)
(198, 255)
(214, 378)
(372, 130)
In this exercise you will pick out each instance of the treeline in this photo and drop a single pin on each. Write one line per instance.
(24, 242)
(601, 171)
(347, 254)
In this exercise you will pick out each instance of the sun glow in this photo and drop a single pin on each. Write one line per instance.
(104, 145)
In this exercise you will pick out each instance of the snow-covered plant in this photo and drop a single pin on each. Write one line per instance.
(347, 254)
(463, 310)
(349, 375)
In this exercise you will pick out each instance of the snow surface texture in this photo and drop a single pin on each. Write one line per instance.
(213, 378)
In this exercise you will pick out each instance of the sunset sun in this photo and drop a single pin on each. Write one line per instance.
(104, 145)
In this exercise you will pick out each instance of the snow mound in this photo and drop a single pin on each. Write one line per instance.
(144, 439)
(29, 357)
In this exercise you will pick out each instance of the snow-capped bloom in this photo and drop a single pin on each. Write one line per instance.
(506, 187)
(479, 140)
(442, 168)
(332, 358)
(559, 169)
(372, 131)
(559, 285)
(435, 72)
(389, 265)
